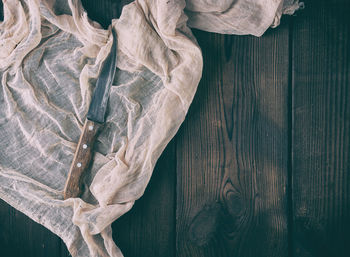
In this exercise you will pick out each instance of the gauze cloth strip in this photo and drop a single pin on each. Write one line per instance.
(50, 58)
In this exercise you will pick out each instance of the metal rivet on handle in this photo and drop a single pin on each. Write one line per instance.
(84, 146)
(78, 164)
(91, 127)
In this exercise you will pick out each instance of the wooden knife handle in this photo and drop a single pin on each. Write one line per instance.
(82, 158)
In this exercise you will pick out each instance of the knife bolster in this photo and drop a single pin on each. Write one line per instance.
(81, 160)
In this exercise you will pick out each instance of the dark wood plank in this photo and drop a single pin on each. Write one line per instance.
(232, 151)
(21, 236)
(1, 11)
(321, 130)
(148, 229)
(104, 11)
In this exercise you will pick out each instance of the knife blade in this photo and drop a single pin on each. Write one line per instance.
(95, 119)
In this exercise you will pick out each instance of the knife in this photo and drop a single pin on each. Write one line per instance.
(95, 119)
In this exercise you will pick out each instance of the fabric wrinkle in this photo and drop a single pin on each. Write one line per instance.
(51, 54)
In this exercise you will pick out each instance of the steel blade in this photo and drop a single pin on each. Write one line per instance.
(98, 105)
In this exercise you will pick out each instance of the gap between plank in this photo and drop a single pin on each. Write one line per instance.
(290, 221)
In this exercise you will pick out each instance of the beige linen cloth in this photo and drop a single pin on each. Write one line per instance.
(50, 56)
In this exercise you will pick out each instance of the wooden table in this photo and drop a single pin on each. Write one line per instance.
(261, 165)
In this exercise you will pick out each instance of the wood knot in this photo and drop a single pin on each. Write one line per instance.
(205, 224)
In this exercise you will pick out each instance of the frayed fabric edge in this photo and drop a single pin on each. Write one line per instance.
(290, 9)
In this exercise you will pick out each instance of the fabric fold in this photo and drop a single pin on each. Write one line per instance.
(50, 57)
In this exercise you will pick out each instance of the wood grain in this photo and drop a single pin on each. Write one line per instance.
(104, 11)
(230, 158)
(148, 230)
(232, 150)
(1, 11)
(82, 159)
(21, 236)
(321, 130)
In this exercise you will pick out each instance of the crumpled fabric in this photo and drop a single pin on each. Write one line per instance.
(240, 17)
(50, 57)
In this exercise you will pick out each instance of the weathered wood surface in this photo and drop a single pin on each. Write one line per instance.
(148, 230)
(1, 12)
(261, 165)
(232, 155)
(321, 130)
(20, 236)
